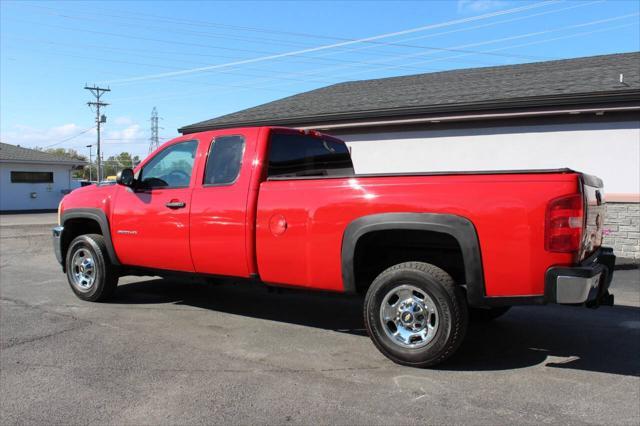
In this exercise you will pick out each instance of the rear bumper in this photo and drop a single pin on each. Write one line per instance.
(57, 243)
(587, 283)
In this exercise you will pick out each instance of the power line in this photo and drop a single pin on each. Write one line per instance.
(400, 43)
(325, 47)
(382, 44)
(284, 76)
(468, 28)
(262, 40)
(281, 76)
(102, 59)
(240, 59)
(482, 43)
(62, 14)
(70, 137)
(324, 71)
(365, 47)
(581, 34)
(120, 49)
(584, 33)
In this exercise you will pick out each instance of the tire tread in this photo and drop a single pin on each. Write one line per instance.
(106, 290)
(459, 310)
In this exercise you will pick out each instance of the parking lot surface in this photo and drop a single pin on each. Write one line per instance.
(180, 352)
(18, 219)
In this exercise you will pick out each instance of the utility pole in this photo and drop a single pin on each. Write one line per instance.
(97, 92)
(89, 146)
(154, 139)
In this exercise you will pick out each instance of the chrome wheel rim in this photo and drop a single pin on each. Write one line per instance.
(409, 316)
(83, 270)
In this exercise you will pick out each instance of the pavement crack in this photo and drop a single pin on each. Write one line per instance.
(36, 339)
(200, 370)
(40, 308)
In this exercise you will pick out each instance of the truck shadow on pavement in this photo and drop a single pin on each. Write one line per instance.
(605, 340)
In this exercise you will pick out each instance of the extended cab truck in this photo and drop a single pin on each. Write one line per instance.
(284, 207)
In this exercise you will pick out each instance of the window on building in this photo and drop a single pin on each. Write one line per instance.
(171, 167)
(31, 177)
(293, 155)
(225, 159)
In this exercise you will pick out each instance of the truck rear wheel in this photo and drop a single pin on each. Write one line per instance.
(415, 314)
(89, 270)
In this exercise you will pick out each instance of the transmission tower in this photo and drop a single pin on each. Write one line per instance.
(154, 140)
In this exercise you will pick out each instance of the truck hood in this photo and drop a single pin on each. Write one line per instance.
(92, 196)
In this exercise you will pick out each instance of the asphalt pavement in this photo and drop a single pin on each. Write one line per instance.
(18, 219)
(187, 352)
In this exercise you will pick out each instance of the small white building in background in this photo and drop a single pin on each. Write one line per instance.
(32, 180)
(581, 113)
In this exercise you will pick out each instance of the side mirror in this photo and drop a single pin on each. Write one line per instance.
(125, 177)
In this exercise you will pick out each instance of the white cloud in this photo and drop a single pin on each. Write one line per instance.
(116, 137)
(132, 132)
(477, 6)
(31, 137)
(123, 121)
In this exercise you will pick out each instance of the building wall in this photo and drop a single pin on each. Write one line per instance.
(622, 227)
(17, 196)
(608, 149)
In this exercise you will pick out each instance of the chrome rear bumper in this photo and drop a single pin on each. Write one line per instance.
(576, 289)
(587, 283)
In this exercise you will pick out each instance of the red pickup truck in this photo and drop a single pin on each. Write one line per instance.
(284, 207)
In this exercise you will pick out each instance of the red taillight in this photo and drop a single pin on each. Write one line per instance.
(564, 223)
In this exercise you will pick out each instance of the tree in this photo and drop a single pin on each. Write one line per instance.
(110, 167)
(115, 163)
(62, 152)
(71, 153)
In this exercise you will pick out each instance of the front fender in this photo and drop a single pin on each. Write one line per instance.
(97, 215)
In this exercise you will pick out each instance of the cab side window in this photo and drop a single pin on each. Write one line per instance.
(170, 168)
(299, 155)
(225, 160)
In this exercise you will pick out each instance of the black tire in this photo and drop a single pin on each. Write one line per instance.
(487, 314)
(450, 304)
(105, 277)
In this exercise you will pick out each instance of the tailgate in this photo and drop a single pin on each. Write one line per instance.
(592, 189)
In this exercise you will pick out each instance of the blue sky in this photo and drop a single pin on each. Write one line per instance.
(198, 60)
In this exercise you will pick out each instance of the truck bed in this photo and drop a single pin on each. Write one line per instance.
(319, 209)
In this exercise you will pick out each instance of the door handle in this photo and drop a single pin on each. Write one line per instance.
(175, 204)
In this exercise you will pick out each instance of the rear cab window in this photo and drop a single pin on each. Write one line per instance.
(224, 161)
(307, 155)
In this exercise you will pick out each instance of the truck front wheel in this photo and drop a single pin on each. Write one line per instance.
(89, 271)
(415, 314)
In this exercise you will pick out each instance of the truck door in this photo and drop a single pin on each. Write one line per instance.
(219, 207)
(293, 231)
(150, 223)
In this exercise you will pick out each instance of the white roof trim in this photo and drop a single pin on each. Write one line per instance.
(469, 117)
(69, 163)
